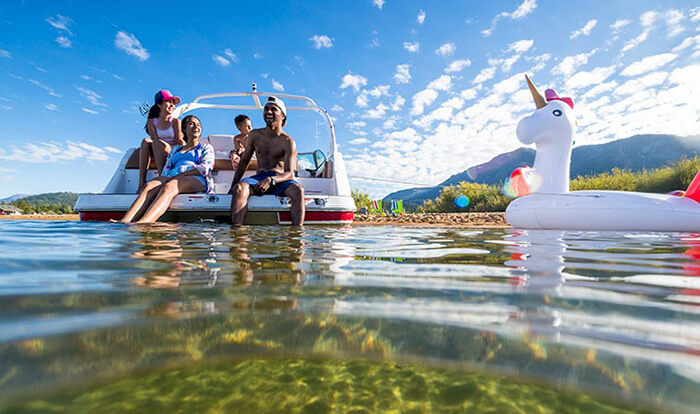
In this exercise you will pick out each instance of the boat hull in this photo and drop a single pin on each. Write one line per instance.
(605, 210)
(270, 210)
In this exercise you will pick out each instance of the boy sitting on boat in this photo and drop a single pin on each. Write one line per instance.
(277, 159)
(239, 141)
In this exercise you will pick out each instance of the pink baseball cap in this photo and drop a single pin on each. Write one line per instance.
(165, 95)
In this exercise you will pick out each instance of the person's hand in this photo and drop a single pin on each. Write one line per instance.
(262, 186)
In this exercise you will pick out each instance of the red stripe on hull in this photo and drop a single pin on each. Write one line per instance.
(101, 215)
(283, 216)
(311, 216)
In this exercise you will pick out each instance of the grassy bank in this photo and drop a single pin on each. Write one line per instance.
(490, 198)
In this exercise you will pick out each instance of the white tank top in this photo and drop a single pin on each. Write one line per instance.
(167, 135)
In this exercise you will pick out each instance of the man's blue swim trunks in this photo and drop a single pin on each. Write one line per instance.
(278, 189)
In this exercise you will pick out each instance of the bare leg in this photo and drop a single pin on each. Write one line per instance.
(160, 153)
(178, 185)
(144, 160)
(146, 196)
(239, 203)
(295, 192)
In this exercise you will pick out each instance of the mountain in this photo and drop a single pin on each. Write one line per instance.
(635, 153)
(51, 198)
(13, 197)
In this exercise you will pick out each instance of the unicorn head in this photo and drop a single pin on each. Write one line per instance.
(551, 128)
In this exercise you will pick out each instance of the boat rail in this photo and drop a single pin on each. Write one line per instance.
(254, 94)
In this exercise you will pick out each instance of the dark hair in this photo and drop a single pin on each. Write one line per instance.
(240, 118)
(154, 112)
(184, 124)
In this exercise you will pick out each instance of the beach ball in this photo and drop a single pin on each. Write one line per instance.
(462, 201)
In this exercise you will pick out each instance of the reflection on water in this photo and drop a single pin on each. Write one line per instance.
(614, 314)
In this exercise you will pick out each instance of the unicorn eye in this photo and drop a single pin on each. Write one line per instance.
(556, 112)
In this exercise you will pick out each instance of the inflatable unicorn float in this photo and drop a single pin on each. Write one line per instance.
(547, 203)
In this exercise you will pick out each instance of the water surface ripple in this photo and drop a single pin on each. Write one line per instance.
(616, 314)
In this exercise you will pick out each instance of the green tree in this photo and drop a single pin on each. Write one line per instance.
(361, 199)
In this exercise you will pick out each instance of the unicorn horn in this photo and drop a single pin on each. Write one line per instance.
(539, 100)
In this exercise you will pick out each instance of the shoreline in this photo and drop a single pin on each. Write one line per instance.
(494, 220)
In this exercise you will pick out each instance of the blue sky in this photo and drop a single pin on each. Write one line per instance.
(419, 90)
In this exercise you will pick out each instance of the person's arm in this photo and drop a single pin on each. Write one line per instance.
(151, 129)
(245, 159)
(168, 161)
(177, 127)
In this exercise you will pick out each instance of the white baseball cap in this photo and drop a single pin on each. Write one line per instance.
(279, 103)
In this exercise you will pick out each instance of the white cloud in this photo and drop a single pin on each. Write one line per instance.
(695, 14)
(443, 83)
(411, 47)
(643, 83)
(64, 41)
(131, 45)
(374, 43)
(468, 94)
(421, 17)
(354, 81)
(632, 43)
(687, 42)
(45, 87)
(673, 19)
(356, 124)
(402, 74)
(5, 54)
(648, 64)
(484, 75)
(377, 113)
(321, 41)
(220, 60)
(446, 50)
(54, 152)
(458, 65)
(277, 86)
(398, 103)
(90, 111)
(525, 8)
(569, 64)
(257, 56)
(376, 92)
(91, 96)
(60, 22)
(378, 3)
(6, 107)
(422, 99)
(648, 18)
(520, 46)
(337, 108)
(595, 76)
(619, 24)
(358, 141)
(585, 30)
(51, 107)
(231, 56)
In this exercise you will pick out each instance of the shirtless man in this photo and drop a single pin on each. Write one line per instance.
(277, 159)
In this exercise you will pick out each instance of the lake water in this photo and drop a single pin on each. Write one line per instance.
(203, 317)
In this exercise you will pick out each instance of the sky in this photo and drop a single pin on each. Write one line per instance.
(418, 90)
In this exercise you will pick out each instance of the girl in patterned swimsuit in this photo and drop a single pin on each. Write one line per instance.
(188, 169)
(163, 132)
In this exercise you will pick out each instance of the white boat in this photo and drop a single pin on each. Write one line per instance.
(322, 175)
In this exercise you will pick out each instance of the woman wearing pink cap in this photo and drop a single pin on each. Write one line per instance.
(163, 130)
